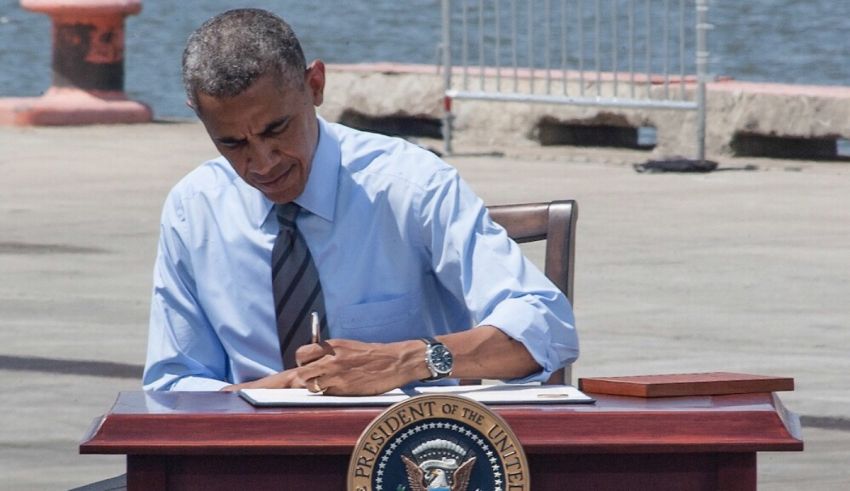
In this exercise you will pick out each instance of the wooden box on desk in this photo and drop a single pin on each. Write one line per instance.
(686, 384)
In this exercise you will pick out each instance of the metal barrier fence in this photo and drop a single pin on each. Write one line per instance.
(608, 53)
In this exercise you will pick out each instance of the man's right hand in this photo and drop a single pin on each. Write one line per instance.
(347, 367)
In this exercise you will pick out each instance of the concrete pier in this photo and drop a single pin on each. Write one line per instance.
(743, 118)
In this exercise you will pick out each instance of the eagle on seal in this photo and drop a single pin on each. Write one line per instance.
(437, 479)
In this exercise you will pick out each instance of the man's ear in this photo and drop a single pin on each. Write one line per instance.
(193, 108)
(314, 79)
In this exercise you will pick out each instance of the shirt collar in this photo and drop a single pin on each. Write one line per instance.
(319, 196)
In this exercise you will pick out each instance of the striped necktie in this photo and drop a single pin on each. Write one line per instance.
(295, 284)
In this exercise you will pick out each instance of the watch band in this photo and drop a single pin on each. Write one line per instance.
(428, 340)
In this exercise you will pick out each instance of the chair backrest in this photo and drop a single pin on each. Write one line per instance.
(555, 223)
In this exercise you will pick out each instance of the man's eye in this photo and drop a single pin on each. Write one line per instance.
(278, 129)
(232, 145)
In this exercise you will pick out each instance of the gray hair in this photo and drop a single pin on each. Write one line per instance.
(232, 50)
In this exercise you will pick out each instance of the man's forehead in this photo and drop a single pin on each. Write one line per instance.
(265, 96)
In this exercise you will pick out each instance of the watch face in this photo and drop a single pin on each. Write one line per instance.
(441, 359)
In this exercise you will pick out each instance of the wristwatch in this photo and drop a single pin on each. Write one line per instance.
(438, 358)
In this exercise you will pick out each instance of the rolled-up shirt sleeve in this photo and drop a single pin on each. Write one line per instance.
(184, 352)
(474, 258)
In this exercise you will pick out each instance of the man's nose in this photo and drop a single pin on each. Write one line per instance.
(264, 157)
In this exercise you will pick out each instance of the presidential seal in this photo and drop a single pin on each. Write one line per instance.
(438, 442)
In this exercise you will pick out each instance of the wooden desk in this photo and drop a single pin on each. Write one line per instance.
(209, 441)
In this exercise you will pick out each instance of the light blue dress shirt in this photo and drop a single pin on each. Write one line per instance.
(403, 247)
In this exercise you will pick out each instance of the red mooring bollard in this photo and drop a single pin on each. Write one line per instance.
(88, 67)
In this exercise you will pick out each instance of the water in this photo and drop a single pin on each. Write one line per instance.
(789, 41)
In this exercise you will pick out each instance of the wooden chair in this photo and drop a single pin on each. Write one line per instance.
(555, 223)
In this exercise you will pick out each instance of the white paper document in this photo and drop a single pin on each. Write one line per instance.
(487, 394)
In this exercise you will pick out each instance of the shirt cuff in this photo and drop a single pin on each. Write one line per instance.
(198, 384)
(549, 339)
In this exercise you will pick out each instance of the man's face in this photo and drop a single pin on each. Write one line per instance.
(268, 133)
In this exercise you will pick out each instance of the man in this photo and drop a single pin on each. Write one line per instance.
(410, 277)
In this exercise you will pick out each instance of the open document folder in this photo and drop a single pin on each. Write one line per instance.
(487, 394)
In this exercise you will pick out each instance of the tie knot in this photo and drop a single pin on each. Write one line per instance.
(286, 214)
